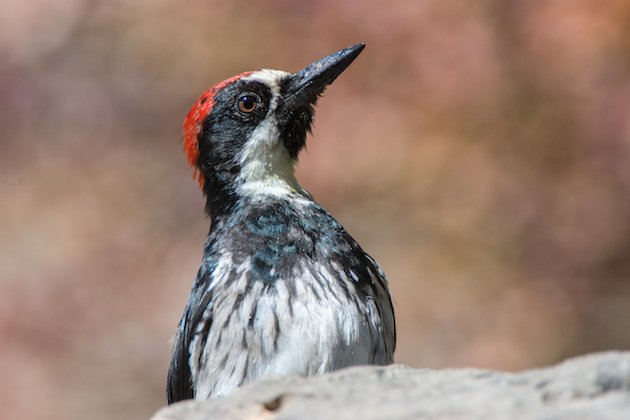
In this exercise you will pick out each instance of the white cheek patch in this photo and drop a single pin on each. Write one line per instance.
(266, 167)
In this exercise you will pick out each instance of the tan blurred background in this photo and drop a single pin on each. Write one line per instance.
(479, 150)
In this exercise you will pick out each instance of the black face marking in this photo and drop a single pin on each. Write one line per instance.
(223, 135)
(239, 109)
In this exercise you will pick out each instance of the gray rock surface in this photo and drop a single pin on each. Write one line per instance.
(596, 386)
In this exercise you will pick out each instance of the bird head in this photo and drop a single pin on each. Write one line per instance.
(243, 136)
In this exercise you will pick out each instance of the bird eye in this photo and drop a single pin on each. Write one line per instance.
(247, 103)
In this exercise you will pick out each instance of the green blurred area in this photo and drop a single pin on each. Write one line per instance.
(480, 152)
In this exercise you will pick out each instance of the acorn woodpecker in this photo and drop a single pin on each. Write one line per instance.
(283, 289)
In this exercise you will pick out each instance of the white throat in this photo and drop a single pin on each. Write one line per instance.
(266, 167)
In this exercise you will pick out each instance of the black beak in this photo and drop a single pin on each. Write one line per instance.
(307, 84)
(300, 92)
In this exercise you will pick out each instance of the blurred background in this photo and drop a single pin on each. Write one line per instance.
(479, 150)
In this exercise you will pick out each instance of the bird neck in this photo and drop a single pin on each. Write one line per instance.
(259, 182)
(264, 169)
(265, 162)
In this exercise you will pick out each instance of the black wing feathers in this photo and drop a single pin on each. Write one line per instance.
(179, 382)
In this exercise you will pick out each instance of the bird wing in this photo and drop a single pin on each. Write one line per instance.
(369, 277)
(179, 385)
(179, 382)
(384, 306)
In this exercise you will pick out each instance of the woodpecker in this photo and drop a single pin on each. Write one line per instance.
(282, 289)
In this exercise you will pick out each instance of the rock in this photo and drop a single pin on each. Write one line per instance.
(589, 387)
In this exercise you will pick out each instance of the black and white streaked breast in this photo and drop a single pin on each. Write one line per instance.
(283, 289)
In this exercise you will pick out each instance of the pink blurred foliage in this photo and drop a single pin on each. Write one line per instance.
(479, 150)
